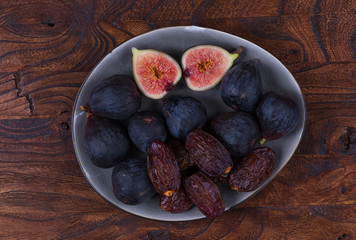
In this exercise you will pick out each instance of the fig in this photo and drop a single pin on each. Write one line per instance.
(144, 127)
(277, 115)
(131, 183)
(115, 97)
(162, 168)
(205, 65)
(237, 131)
(241, 87)
(183, 114)
(106, 141)
(252, 170)
(208, 153)
(155, 72)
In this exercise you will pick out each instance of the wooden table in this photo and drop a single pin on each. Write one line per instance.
(47, 48)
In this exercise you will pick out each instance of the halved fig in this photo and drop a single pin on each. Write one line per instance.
(155, 72)
(205, 65)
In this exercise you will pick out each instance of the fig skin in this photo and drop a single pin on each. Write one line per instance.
(146, 126)
(115, 97)
(183, 114)
(277, 115)
(106, 141)
(131, 183)
(252, 170)
(241, 87)
(237, 131)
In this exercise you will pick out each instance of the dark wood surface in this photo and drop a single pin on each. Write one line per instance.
(47, 48)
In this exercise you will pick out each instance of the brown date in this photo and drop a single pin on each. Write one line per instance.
(252, 170)
(178, 202)
(204, 194)
(180, 153)
(208, 153)
(162, 168)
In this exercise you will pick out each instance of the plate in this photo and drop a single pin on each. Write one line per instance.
(174, 41)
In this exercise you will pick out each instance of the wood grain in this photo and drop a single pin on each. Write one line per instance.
(47, 48)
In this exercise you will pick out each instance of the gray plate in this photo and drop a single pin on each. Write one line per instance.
(174, 41)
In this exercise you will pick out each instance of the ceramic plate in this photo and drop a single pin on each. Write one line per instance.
(174, 41)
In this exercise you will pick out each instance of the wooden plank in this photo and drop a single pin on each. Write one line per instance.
(305, 222)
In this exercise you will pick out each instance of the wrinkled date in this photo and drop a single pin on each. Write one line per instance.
(180, 153)
(208, 153)
(252, 170)
(178, 202)
(162, 168)
(204, 194)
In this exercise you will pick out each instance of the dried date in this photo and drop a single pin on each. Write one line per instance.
(162, 168)
(180, 153)
(178, 202)
(252, 170)
(209, 154)
(204, 194)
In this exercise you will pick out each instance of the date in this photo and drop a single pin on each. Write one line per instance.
(209, 154)
(252, 170)
(162, 168)
(204, 194)
(180, 153)
(178, 202)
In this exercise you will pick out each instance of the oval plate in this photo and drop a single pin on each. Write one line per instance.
(174, 41)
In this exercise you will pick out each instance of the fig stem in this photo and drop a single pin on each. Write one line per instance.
(86, 109)
(262, 141)
(238, 50)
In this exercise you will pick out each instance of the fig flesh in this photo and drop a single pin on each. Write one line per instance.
(277, 115)
(115, 97)
(241, 87)
(144, 127)
(237, 131)
(106, 141)
(131, 183)
(155, 72)
(205, 65)
(183, 114)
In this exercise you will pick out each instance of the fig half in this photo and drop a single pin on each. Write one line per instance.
(205, 65)
(155, 72)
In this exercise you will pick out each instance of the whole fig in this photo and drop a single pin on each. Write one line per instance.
(183, 114)
(277, 115)
(130, 182)
(237, 131)
(106, 141)
(241, 87)
(115, 97)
